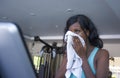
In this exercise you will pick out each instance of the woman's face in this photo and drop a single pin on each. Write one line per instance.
(76, 28)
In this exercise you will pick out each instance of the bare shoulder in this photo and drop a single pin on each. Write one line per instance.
(103, 53)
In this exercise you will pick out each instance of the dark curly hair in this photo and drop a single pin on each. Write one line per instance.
(86, 24)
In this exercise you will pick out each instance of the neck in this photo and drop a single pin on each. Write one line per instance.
(89, 48)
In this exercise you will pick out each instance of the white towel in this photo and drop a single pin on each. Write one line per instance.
(74, 62)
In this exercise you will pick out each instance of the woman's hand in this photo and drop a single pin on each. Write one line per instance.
(77, 45)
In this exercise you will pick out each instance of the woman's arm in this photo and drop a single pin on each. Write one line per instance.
(103, 64)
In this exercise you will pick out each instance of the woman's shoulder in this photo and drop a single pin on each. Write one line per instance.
(103, 53)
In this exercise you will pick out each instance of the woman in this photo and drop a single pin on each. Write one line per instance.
(95, 59)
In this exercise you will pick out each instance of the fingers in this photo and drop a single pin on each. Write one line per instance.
(77, 42)
(79, 48)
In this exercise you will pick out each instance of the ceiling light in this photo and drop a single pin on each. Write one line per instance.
(56, 26)
(4, 17)
(69, 10)
(32, 14)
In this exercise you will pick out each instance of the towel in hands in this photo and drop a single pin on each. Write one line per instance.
(74, 62)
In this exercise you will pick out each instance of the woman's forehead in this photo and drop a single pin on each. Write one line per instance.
(75, 26)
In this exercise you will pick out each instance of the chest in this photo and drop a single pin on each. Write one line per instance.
(92, 58)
